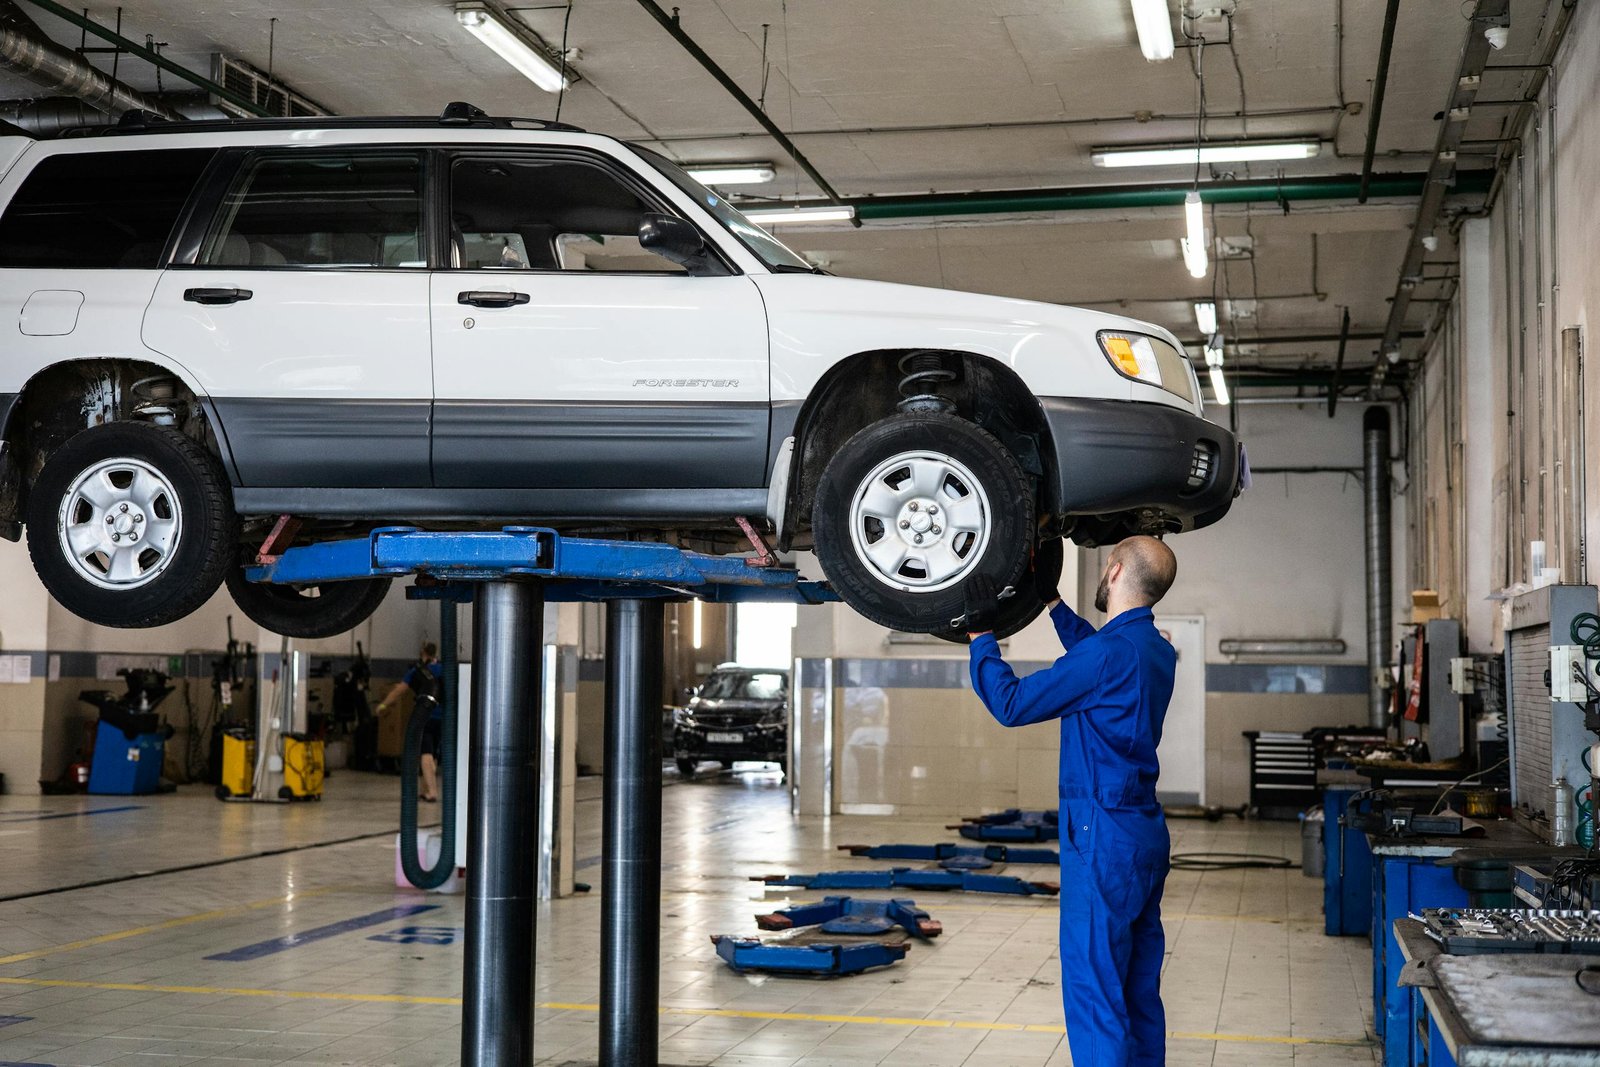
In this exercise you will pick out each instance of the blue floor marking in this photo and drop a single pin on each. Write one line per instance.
(587, 861)
(345, 926)
(12, 1020)
(41, 816)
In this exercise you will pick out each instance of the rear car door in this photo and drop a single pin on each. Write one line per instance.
(568, 357)
(301, 306)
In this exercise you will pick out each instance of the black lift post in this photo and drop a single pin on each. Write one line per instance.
(630, 903)
(502, 825)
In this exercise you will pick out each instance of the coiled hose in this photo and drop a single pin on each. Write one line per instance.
(1586, 632)
(411, 762)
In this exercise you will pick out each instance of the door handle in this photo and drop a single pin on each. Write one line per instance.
(489, 298)
(217, 296)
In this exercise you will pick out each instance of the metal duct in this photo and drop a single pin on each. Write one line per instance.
(51, 114)
(1379, 534)
(61, 71)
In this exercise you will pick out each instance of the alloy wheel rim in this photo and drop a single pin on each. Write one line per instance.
(920, 521)
(120, 523)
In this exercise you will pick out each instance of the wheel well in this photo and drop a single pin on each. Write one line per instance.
(863, 388)
(67, 398)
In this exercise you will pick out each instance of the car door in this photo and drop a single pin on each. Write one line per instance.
(301, 306)
(568, 357)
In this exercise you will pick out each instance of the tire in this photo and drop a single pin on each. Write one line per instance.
(686, 767)
(871, 486)
(1019, 610)
(162, 491)
(222, 792)
(725, 764)
(307, 611)
(285, 793)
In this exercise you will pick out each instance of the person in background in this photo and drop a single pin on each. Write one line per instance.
(425, 678)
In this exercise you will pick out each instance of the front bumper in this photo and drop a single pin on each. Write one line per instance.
(763, 744)
(1134, 465)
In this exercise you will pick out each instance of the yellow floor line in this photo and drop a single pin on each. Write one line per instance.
(168, 924)
(704, 1013)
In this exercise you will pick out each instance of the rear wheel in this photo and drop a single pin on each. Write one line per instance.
(910, 508)
(307, 610)
(1020, 609)
(130, 524)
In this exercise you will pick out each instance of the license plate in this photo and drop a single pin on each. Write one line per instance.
(725, 739)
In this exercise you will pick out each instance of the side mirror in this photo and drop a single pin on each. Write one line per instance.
(673, 239)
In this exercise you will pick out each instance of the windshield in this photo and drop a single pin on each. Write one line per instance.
(767, 248)
(763, 686)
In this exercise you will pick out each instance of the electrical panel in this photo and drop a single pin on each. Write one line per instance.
(1574, 677)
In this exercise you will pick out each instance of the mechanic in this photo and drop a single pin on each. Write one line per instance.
(1110, 692)
(425, 678)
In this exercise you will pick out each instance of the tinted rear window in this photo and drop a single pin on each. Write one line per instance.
(99, 209)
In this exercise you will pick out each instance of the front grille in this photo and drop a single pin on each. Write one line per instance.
(1201, 466)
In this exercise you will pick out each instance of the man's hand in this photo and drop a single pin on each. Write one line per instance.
(1045, 588)
(982, 602)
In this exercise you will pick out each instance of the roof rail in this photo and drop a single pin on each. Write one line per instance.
(458, 113)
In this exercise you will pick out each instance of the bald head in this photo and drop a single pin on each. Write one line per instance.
(1138, 574)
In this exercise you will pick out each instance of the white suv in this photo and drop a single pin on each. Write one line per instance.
(467, 321)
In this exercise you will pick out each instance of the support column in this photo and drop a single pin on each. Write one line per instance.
(502, 826)
(630, 903)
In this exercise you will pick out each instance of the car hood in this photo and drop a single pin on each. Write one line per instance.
(752, 708)
(815, 320)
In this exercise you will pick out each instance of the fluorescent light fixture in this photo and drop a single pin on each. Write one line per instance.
(699, 624)
(1205, 317)
(775, 216)
(1189, 155)
(733, 173)
(1194, 243)
(1219, 387)
(511, 47)
(1154, 22)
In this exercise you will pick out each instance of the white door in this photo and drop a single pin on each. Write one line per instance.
(1183, 736)
(566, 356)
(304, 316)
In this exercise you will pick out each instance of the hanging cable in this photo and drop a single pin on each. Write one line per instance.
(561, 94)
(1231, 861)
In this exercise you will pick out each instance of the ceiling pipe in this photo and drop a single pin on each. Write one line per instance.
(671, 25)
(52, 114)
(25, 51)
(1299, 338)
(1442, 175)
(1338, 363)
(1098, 197)
(154, 58)
(1379, 540)
(1380, 82)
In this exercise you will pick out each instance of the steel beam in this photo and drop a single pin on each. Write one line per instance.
(630, 898)
(502, 826)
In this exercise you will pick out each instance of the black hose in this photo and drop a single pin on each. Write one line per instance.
(410, 764)
(1231, 861)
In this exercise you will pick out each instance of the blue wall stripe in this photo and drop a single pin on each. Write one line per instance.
(1287, 678)
(321, 933)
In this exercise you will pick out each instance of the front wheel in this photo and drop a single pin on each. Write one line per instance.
(910, 508)
(687, 767)
(307, 610)
(130, 524)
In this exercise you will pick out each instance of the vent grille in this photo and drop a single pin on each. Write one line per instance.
(1201, 465)
(1530, 717)
(276, 98)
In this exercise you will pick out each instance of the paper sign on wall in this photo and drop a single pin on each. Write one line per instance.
(22, 669)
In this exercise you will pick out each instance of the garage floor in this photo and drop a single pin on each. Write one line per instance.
(311, 956)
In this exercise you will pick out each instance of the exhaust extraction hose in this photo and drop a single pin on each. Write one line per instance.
(411, 760)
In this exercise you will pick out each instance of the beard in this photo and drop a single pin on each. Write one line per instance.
(1102, 595)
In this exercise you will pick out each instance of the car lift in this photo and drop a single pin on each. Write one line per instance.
(912, 878)
(510, 575)
(840, 916)
(1013, 824)
(953, 857)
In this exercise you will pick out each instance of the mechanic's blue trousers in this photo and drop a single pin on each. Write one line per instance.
(1111, 942)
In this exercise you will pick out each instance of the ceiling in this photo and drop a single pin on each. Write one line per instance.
(917, 96)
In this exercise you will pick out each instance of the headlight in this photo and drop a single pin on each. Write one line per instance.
(1133, 355)
(681, 717)
(1149, 359)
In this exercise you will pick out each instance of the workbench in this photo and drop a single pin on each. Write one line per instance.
(1406, 879)
(1501, 1010)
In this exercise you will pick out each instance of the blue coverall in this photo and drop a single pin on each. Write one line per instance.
(1110, 692)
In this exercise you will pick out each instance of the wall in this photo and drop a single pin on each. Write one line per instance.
(1505, 435)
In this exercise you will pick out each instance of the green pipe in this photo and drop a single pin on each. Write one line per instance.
(150, 56)
(1090, 197)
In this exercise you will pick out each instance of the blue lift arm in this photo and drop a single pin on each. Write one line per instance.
(910, 878)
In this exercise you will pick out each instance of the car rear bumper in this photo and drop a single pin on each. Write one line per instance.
(1169, 467)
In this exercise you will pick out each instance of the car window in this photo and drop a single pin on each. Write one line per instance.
(766, 685)
(99, 210)
(527, 213)
(342, 209)
(771, 251)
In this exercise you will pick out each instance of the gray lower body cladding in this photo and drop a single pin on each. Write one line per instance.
(1117, 457)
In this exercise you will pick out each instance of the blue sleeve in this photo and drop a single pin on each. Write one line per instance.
(1069, 626)
(410, 677)
(1058, 690)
